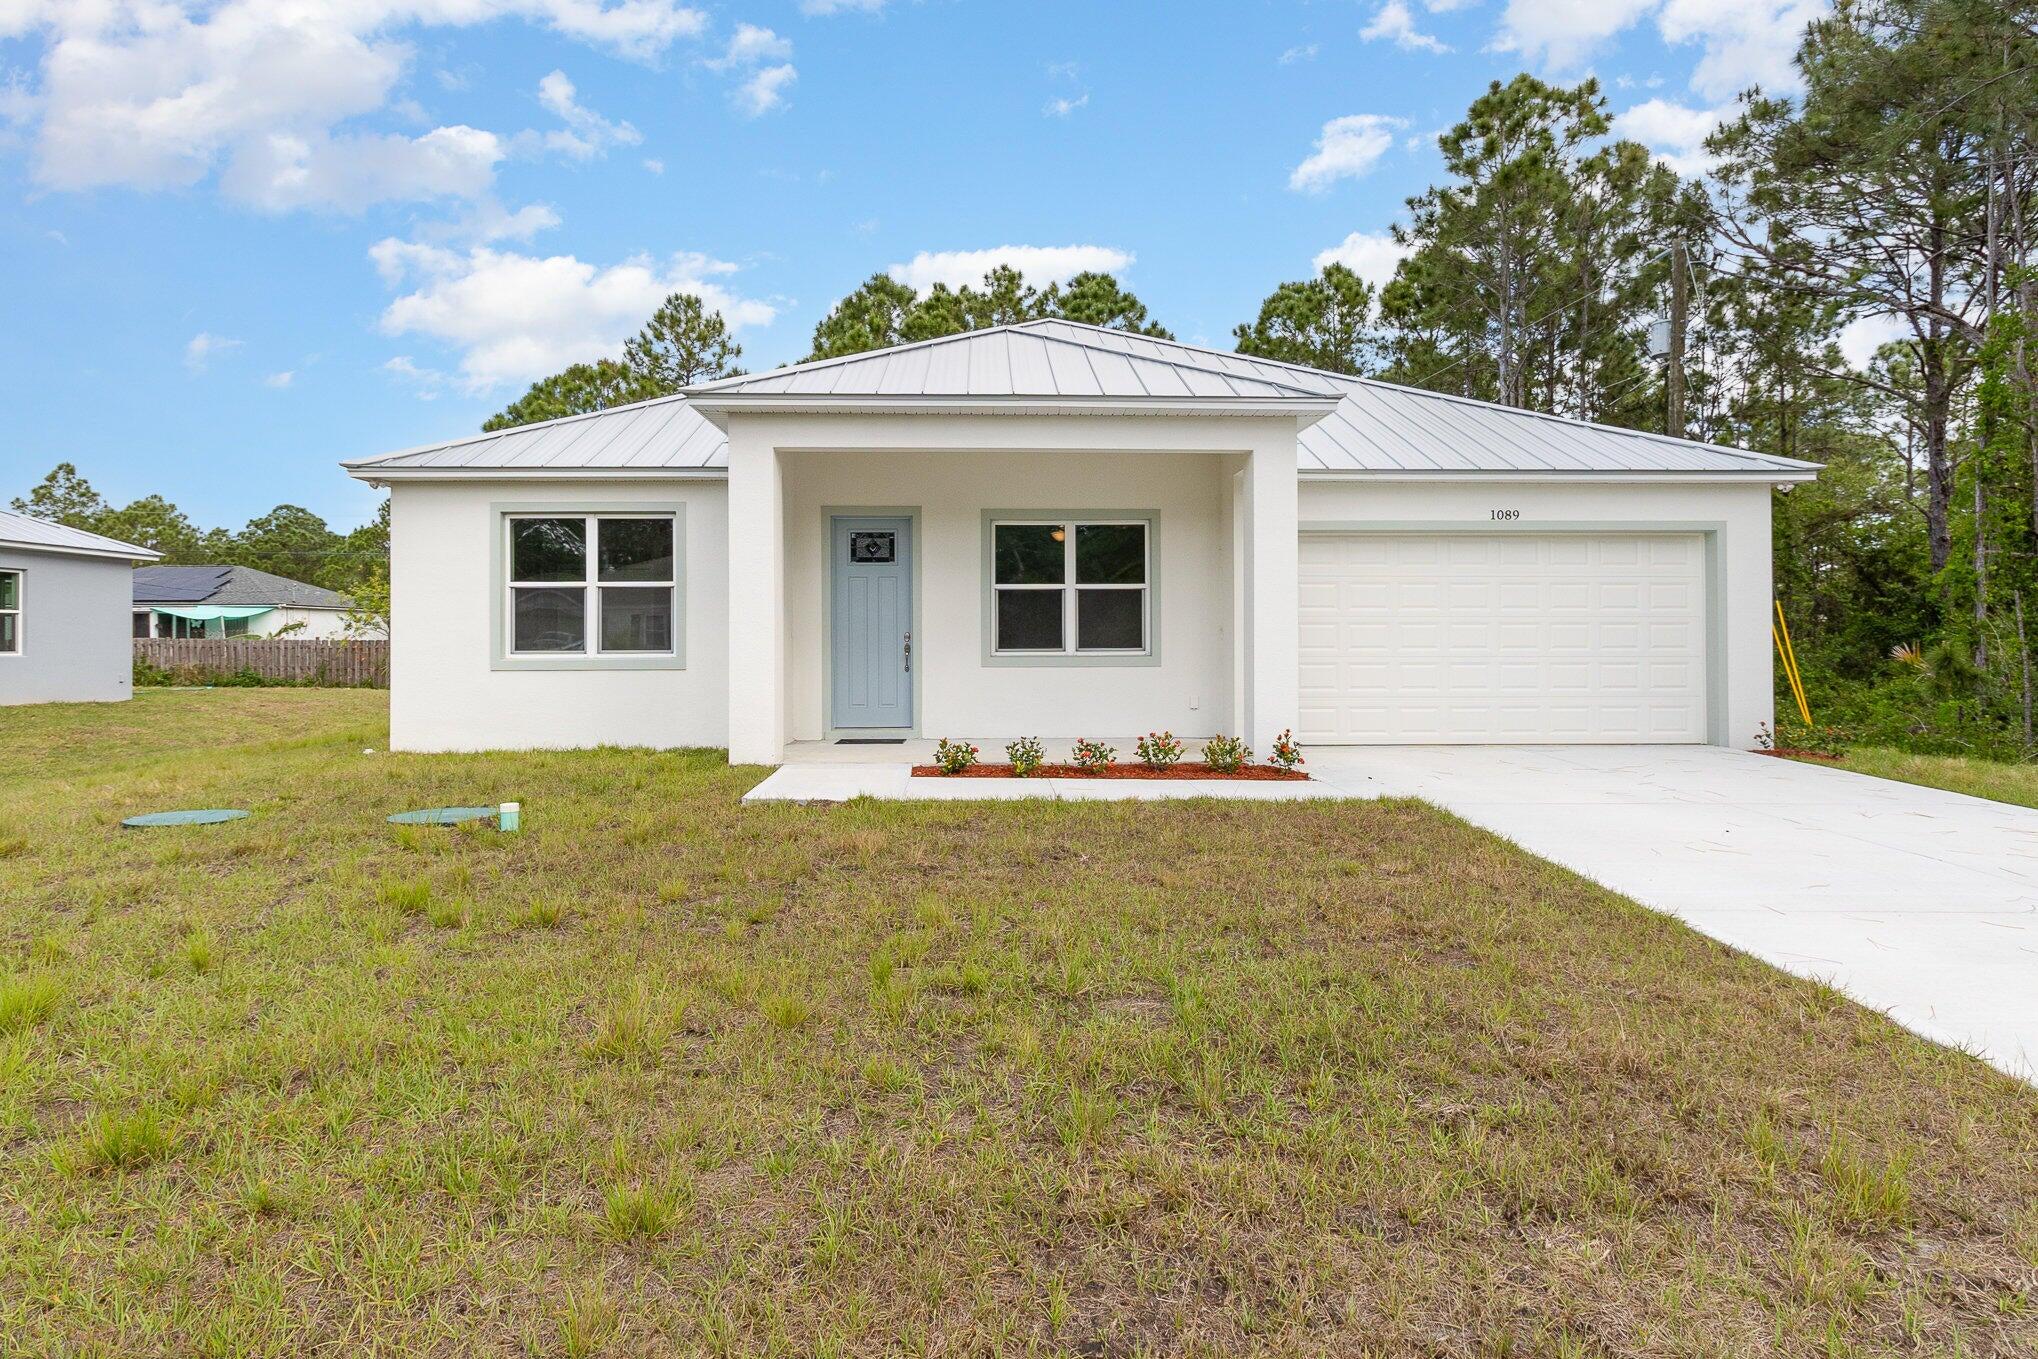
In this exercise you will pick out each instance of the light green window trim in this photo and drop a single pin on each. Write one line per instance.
(12, 587)
(1070, 655)
(592, 655)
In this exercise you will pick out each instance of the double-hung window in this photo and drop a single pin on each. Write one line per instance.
(1071, 587)
(10, 613)
(592, 584)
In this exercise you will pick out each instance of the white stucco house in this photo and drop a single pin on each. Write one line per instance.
(63, 613)
(1056, 530)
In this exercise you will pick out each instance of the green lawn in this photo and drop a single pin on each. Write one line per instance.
(669, 1075)
(1992, 779)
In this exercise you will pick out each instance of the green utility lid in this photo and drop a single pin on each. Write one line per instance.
(441, 816)
(206, 817)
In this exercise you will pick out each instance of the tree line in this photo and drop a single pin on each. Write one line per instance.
(288, 541)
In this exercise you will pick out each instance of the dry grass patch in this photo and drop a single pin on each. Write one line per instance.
(669, 1075)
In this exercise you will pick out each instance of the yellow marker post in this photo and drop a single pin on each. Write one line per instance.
(1781, 634)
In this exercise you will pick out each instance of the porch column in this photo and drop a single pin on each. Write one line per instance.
(1271, 567)
(756, 599)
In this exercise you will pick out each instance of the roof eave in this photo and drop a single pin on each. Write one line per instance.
(1750, 475)
(124, 553)
(382, 476)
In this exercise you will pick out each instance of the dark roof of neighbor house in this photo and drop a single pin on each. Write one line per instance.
(230, 585)
(42, 535)
(1374, 428)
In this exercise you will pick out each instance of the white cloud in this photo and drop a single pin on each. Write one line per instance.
(1373, 257)
(1393, 21)
(841, 6)
(1300, 52)
(764, 91)
(199, 350)
(751, 45)
(1675, 132)
(654, 165)
(1861, 337)
(587, 133)
(1746, 42)
(280, 172)
(515, 317)
(1040, 264)
(154, 94)
(1062, 108)
(279, 380)
(1561, 34)
(428, 382)
(1743, 42)
(1347, 148)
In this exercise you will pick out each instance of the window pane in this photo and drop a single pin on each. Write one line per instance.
(635, 549)
(141, 625)
(636, 619)
(236, 627)
(1029, 620)
(1029, 554)
(1110, 620)
(10, 589)
(551, 620)
(1111, 554)
(10, 632)
(548, 549)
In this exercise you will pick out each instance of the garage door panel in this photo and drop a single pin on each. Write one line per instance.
(1515, 637)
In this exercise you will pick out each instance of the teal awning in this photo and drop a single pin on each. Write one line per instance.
(200, 613)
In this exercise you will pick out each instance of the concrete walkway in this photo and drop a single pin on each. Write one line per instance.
(1918, 902)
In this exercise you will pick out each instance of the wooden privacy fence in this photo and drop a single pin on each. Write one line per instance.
(337, 662)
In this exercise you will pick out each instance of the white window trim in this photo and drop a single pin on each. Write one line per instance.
(503, 625)
(20, 605)
(1070, 652)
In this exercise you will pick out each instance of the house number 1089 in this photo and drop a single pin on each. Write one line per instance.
(1507, 514)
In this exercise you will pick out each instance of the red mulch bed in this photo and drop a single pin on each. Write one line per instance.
(1792, 753)
(1113, 771)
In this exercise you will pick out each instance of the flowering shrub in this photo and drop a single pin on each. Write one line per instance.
(1226, 754)
(1026, 756)
(1286, 754)
(1160, 749)
(1094, 754)
(952, 757)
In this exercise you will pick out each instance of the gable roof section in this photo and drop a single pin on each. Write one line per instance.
(230, 585)
(1375, 428)
(41, 535)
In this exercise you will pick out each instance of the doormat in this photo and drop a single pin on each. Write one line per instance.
(871, 741)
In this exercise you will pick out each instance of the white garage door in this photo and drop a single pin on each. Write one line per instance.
(1503, 638)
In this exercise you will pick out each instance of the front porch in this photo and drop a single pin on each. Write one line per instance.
(878, 595)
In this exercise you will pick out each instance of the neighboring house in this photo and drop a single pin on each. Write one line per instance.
(1053, 529)
(63, 602)
(232, 601)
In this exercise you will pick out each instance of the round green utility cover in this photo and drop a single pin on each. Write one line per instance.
(441, 816)
(207, 817)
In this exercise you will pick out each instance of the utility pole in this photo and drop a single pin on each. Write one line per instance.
(1673, 377)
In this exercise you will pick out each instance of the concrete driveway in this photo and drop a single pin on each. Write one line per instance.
(1920, 903)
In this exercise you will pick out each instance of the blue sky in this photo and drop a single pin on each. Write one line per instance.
(240, 241)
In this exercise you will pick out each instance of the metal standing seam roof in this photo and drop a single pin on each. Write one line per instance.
(231, 585)
(41, 535)
(1377, 427)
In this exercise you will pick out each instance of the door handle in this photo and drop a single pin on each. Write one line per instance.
(909, 653)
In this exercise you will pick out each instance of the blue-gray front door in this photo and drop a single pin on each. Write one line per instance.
(872, 629)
